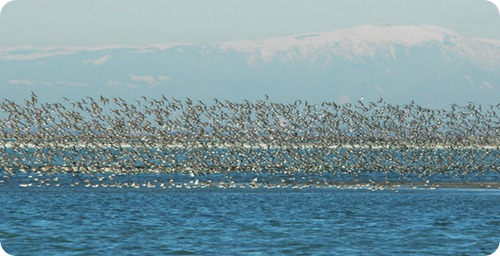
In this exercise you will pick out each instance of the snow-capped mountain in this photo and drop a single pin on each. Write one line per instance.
(429, 64)
(370, 41)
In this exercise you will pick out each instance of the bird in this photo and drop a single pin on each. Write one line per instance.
(3, 3)
(496, 3)
(89, 139)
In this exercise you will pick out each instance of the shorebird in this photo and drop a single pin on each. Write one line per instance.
(90, 138)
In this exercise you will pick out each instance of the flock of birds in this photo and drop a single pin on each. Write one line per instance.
(184, 143)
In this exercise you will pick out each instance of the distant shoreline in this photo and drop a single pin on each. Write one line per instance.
(259, 144)
(425, 185)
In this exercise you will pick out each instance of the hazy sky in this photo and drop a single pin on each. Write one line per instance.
(144, 22)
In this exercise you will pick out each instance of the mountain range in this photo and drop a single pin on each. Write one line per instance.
(428, 64)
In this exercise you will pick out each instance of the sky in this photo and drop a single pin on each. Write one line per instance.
(92, 24)
(146, 22)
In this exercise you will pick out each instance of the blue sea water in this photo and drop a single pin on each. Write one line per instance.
(313, 221)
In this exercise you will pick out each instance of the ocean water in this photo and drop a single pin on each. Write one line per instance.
(211, 221)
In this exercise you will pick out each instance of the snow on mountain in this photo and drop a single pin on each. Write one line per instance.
(367, 41)
(357, 36)
(426, 63)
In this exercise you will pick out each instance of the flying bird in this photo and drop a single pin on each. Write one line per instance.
(496, 3)
(3, 3)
